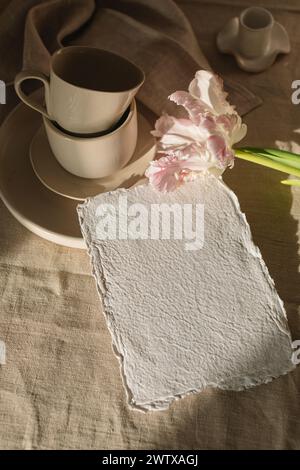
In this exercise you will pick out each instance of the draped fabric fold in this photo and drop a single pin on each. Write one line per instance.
(155, 35)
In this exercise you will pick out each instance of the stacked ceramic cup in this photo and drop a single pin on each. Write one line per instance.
(90, 115)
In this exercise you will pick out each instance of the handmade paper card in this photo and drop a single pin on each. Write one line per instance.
(186, 294)
(190, 303)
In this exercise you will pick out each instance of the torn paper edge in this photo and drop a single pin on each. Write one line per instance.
(160, 404)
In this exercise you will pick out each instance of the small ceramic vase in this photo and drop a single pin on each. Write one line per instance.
(254, 38)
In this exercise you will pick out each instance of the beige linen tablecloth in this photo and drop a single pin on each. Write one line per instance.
(61, 387)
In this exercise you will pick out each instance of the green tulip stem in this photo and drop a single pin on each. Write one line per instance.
(260, 160)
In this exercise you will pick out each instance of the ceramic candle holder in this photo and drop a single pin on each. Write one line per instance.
(254, 38)
(255, 30)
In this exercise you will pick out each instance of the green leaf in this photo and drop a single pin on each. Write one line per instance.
(294, 163)
(291, 182)
(283, 153)
(275, 164)
(282, 156)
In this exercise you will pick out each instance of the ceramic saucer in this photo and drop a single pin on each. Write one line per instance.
(60, 181)
(227, 42)
(45, 213)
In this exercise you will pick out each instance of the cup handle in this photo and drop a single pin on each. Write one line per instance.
(27, 75)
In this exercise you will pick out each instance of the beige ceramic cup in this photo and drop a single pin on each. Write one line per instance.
(255, 29)
(88, 91)
(95, 157)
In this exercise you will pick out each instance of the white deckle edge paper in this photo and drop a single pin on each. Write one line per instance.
(183, 320)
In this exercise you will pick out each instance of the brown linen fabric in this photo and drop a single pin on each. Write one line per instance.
(155, 35)
(61, 387)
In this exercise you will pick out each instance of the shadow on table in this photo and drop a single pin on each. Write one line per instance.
(267, 205)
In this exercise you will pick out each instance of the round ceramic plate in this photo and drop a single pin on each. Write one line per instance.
(57, 179)
(45, 213)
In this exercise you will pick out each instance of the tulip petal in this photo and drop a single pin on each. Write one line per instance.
(176, 133)
(199, 143)
(208, 87)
